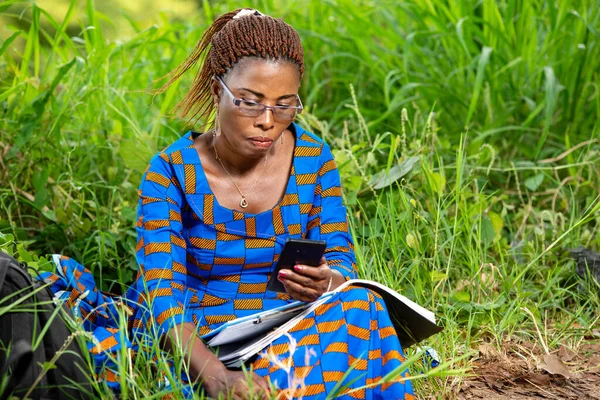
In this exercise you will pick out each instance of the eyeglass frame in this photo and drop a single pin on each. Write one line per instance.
(238, 101)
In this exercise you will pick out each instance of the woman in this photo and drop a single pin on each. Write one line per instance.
(216, 208)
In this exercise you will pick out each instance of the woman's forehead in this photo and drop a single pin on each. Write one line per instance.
(264, 75)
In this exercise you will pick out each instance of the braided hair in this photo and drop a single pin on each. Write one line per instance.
(231, 37)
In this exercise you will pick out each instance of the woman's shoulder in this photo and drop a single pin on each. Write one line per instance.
(306, 138)
(168, 167)
(309, 144)
(161, 165)
(184, 142)
(177, 152)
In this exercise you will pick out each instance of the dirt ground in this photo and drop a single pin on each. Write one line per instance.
(527, 371)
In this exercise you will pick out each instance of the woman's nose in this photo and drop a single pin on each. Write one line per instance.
(265, 120)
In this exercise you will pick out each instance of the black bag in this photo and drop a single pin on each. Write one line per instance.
(19, 362)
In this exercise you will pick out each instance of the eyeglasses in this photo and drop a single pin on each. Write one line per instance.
(254, 108)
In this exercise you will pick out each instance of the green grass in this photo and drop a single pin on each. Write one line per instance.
(467, 135)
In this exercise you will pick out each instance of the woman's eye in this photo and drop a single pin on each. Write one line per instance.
(250, 103)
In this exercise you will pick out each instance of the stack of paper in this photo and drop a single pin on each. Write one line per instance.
(238, 340)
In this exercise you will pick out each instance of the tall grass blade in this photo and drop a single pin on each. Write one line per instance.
(484, 59)
(32, 47)
(552, 89)
(8, 42)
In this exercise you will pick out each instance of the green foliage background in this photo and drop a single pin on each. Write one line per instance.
(466, 132)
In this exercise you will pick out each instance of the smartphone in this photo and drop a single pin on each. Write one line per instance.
(296, 251)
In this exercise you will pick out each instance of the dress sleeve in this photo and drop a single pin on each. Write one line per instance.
(161, 248)
(328, 220)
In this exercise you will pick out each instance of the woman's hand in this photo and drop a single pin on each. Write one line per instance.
(236, 385)
(205, 367)
(306, 283)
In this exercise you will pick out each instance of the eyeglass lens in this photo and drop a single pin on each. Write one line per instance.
(256, 109)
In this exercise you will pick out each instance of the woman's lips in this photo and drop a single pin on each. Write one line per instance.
(261, 142)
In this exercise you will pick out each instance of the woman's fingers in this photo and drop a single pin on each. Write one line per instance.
(263, 386)
(300, 292)
(259, 386)
(298, 278)
(323, 261)
(305, 274)
(316, 273)
(305, 282)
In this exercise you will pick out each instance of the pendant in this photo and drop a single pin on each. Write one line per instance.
(243, 203)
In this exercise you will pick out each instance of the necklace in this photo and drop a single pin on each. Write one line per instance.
(243, 201)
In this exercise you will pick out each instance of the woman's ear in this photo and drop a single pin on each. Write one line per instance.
(215, 89)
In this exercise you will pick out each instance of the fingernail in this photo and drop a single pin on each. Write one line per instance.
(282, 275)
(297, 268)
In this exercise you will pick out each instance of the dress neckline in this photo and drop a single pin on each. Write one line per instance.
(292, 127)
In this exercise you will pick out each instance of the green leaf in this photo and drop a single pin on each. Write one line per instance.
(41, 197)
(86, 225)
(484, 59)
(534, 182)
(383, 179)
(39, 104)
(23, 137)
(352, 183)
(39, 180)
(6, 238)
(552, 88)
(351, 198)
(8, 41)
(51, 215)
(464, 297)
(487, 232)
(47, 365)
(491, 305)
(135, 153)
(341, 159)
(497, 222)
(412, 241)
(24, 254)
(438, 182)
(437, 276)
(61, 216)
(6, 4)
(117, 131)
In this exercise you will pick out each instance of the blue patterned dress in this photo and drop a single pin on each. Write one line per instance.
(202, 263)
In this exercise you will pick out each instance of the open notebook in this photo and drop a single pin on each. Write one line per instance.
(238, 340)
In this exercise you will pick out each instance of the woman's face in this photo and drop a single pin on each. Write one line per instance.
(259, 80)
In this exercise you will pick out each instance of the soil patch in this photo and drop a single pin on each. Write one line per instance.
(526, 371)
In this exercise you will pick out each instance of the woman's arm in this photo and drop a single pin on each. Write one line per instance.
(161, 248)
(328, 221)
(161, 254)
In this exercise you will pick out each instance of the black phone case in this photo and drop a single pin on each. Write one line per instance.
(296, 251)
